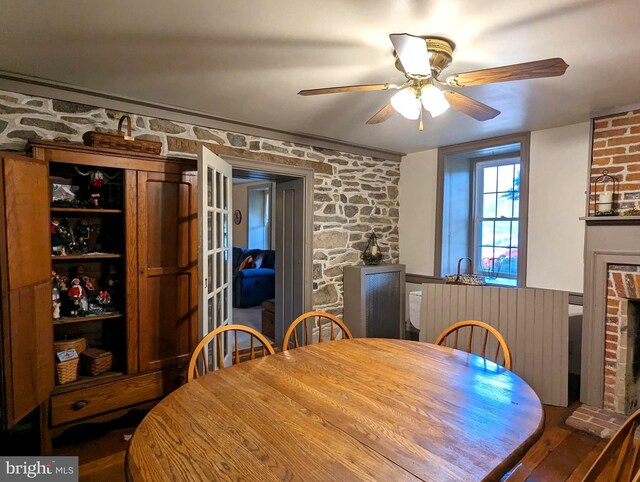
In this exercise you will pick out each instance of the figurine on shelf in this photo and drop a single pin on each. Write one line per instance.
(56, 303)
(78, 297)
(110, 283)
(61, 237)
(96, 182)
(60, 282)
(86, 280)
(82, 233)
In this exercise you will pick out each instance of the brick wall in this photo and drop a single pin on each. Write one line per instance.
(620, 392)
(616, 148)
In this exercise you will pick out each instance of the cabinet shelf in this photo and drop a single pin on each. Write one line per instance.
(72, 257)
(65, 320)
(85, 381)
(85, 210)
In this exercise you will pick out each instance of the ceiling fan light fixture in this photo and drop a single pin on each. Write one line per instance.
(407, 103)
(434, 100)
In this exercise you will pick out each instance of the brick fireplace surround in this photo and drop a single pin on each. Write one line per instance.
(621, 389)
(612, 271)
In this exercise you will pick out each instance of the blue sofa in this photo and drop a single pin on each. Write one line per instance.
(252, 286)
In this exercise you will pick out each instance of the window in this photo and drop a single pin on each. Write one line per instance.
(497, 219)
(482, 211)
(259, 218)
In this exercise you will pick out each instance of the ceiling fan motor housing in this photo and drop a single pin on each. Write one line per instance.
(441, 50)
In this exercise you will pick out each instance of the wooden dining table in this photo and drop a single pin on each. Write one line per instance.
(359, 409)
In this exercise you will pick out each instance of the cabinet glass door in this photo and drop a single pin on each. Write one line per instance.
(214, 253)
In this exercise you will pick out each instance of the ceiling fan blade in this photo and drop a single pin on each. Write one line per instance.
(412, 52)
(469, 106)
(347, 88)
(382, 115)
(528, 70)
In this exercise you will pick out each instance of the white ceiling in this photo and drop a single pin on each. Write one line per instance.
(246, 60)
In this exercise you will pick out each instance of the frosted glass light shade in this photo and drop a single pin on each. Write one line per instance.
(434, 100)
(407, 103)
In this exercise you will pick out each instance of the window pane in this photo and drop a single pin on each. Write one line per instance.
(513, 264)
(514, 233)
(486, 258)
(505, 205)
(488, 206)
(489, 176)
(486, 228)
(505, 177)
(503, 233)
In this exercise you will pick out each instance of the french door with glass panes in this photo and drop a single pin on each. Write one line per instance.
(214, 250)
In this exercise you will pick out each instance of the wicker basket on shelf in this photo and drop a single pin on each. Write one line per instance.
(67, 371)
(77, 344)
(96, 361)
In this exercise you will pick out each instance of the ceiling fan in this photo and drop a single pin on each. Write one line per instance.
(422, 59)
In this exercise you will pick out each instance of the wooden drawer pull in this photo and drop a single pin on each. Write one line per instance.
(79, 405)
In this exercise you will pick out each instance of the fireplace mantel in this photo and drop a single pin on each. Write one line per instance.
(603, 220)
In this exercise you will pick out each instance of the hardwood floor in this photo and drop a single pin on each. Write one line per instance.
(562, 453)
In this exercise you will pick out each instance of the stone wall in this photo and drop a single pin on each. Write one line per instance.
(361, 196)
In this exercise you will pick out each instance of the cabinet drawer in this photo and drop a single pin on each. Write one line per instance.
(87, 402)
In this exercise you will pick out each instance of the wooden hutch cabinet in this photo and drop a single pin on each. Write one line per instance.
(139, 247)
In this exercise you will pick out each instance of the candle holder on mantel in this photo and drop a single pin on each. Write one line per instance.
(372, 254)
(603, 200)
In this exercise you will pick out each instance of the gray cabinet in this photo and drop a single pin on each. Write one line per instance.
(374, 300)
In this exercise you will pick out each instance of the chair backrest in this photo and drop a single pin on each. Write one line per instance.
(484, 330)
(308, 322)
(619, 461)
(199, 363)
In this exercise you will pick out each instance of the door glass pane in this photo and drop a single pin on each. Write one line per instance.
(210, 320)
(220, 231)
(225, 191)
(219, 190)
(219, 269)
(210, 237)
(225, 230)
(226, 267)
(219, 310)
(225, 306)
(210, 274)
(209, 187)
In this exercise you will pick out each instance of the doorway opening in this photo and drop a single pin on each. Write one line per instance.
(268, 251)
(233, 276)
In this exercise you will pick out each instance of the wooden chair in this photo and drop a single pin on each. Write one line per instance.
(483, 327)
(199, 363)
(307, 336)
(625, 467)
